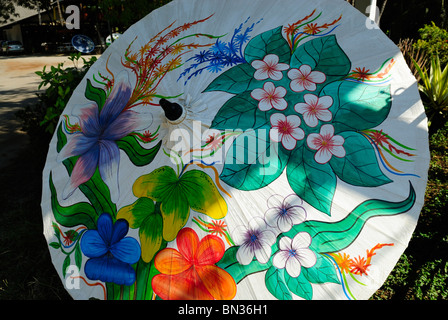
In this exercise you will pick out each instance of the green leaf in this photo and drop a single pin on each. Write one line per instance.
(138, 155)
(300, 285)
(358, 106)
(193, 189)
(240, 112)
(325, 55)
(235, 80)
(335, 236)
(78, 257)
(269, 42)
(359, 167)
(276, 284)
(95, 94)
(323, 271)
(65, 265)
(136, 213)
(151, 236)
(55, 245)
(81, 213)
(61, 139)
(253, 161)
(313, 182)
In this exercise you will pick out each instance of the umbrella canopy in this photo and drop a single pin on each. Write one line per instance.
(238, 150)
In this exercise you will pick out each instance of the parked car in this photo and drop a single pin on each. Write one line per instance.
(12, 47)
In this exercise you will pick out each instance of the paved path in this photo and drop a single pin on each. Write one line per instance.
(18, 87)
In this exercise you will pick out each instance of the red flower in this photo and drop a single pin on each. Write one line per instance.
(190, 273)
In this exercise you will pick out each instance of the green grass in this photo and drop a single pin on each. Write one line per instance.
(26, 271)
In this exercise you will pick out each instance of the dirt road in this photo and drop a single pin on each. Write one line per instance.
(18, 88)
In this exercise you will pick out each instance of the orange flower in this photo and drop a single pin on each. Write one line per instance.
(190, 273)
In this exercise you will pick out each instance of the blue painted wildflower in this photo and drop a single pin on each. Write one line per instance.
(111, 253)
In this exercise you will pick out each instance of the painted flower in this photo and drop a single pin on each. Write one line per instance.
(254, 240)
(294, 254)
(111, 253)
(269, 67)
(326, 143)
(96, 143)
(286, 129)
(314, 109)
(190, 271)
(283, 213)
(305, 79)
(270, 97)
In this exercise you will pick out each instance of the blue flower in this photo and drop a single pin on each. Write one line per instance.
(111, 253)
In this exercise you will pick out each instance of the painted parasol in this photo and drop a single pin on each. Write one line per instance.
(278, 151)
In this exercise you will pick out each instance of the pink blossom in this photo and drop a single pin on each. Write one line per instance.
(305, 79)
(286, 129)
(269, 68)
(314, 109)
(270, 97)
(326, 143)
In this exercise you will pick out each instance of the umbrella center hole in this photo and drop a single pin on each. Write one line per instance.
(173, 111)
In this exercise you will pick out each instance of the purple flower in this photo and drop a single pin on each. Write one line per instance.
(96, 143)
(111, 253)
(283, 213)
(254, 240)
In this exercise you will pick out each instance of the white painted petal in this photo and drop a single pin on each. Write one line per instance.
(338, 140)
(322, 156)
(294, 74)
(280, 92)
(317, 77)
(276, 75)
(263, 254)
(284, 223)
(301, 240)
(325, 102)
(309, 85)
(261, 74)
(238, 235)
(282, 66)
(311, 99)
(297, 86)
(285, 244)
(327, 130)
(265, 105)
(271, 59)
(310, 119)
(245, 254)
(294, 120)
(258, 64)
(324, 115)
(280, 258)
(306, 257)
(338, 151)
(305, 69)
(258, 94)
(288, 142)
(314, 141)
(276, 118)
(298, 134)
(293, 267)
(267, 237)
(269, 87)
(279, 104)
(275, 201)
(301, 107)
